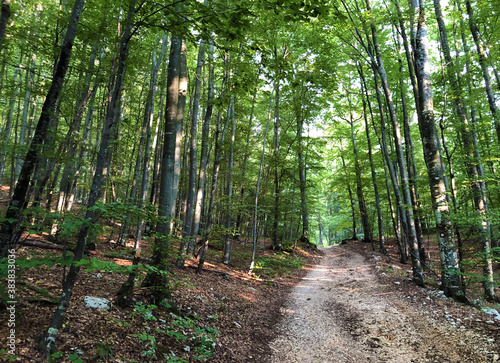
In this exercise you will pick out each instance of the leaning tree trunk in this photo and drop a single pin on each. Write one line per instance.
(403, 254)
(11, 227)
(57, 320)
(451, 283)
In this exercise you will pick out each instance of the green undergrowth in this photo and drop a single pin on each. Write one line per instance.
(278, 265)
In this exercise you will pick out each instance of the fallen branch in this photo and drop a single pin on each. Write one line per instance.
(48, 296)
(53, 246)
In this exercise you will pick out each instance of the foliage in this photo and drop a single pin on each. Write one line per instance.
(200, 340)
(278, 265)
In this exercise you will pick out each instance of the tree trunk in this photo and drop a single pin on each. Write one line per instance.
(451, 283)
(11, 227)
(411, 232)
(255, 214)
(68, 284)
(302, 180)
(380, 223)
(228, 246)
(193, 147)
(472, 162)
(4, 19)
(483, 62)
(276, 161)
(365, 222)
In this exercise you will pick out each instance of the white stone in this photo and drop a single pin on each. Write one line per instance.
(493, 312)
(97, 303)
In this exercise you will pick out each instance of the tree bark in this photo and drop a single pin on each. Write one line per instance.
(11, 227)
(411, 232)
(380, 223)
(451, 283)
(4, 19)
(472, 162)
(68, 284)
(193, 147)
(167, 201)
(483, 62)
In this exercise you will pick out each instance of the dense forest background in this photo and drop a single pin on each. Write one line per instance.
(183, 123)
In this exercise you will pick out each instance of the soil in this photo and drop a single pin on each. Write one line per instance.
(354, 307)
(347, 304)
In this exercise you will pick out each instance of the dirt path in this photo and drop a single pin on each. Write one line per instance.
(344, 311)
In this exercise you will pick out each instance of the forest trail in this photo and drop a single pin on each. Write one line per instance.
(344, 311)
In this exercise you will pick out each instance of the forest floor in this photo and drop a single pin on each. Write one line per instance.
(347, 303)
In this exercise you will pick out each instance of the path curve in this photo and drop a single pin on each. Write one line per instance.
(342, 312)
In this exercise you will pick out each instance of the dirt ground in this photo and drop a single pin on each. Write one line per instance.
(353, 306)
(349, 304)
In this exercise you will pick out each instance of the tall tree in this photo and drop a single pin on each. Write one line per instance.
(472, 162)
(56, 323)
(451, 283)
(4, 19)
(11, 227)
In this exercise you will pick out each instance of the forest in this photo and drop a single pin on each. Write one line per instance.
(169, 134)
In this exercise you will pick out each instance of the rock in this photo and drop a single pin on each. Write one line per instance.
(493, 312)
(97, 303)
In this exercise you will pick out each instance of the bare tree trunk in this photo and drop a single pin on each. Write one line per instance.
(183, 88)
(193, 147)
(302, 180)
(68, 284)
(4, 19)
(8, 126)
(276, 159)
(451, 283)
(255, 214)
(11, 227)
(204, 157)
(245, 159)
(147, 149)
(167, 201)
(69, 165)
(228, 246)
(403, 254)
(469, 149)
(411, 232)
(380, 223)
(483, 62)
(365, 222)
